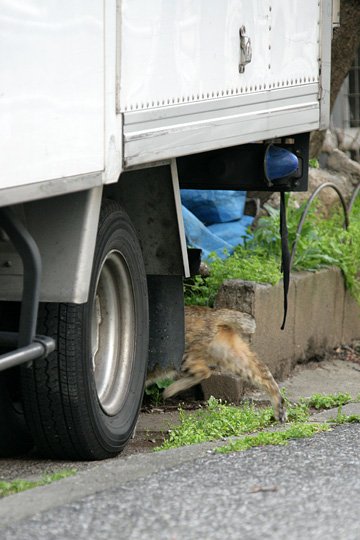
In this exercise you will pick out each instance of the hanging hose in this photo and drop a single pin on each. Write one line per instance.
(307, 207)
(286, 264)
(353, 197)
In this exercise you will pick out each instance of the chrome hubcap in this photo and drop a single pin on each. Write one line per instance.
(112, 333)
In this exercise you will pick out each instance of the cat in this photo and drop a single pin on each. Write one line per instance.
(214, 341)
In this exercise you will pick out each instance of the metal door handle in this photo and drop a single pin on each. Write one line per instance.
(245, 49)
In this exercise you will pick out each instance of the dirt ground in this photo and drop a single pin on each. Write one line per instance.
(153, 425)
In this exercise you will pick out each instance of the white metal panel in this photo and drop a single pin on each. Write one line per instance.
(51, 89)
(66, 247)
(196, 127)
(186, 51)
(325, 55)
(180, 219)
(294, 37)
(49, 188)
(113, 121)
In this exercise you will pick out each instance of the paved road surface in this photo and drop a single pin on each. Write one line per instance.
(330, 376)
(306, 490)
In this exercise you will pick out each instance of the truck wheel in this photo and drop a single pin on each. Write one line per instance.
(82, 402)
(15, 437)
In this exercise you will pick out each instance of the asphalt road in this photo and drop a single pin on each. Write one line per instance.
(306, 490)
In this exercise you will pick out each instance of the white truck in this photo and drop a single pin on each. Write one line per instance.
(107, 107)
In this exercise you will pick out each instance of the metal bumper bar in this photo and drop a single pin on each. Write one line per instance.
(40, 348)
(26, 345)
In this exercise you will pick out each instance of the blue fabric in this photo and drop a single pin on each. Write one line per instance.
(214, 206)
(198, 236)
(232, 232)
(214, 220)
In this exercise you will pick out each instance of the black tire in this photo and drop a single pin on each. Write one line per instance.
(15, 436)
(83, 401)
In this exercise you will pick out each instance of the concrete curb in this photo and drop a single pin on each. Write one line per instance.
(322, 315)
(115, 473)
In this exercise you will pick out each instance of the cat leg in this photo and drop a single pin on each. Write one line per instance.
(267, 383)
(241, 361)
(193, 371)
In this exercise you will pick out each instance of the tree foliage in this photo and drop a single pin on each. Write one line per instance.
(345, 43)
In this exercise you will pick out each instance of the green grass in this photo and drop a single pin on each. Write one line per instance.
(215, 421)
(328, 401)
(16, 486)
(218, 420)
(296, 431)
(341, 418)
(314, 163)
(323, 243)
(247, 264)
(155, 391)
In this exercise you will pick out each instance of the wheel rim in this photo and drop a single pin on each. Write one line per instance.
(112, 333)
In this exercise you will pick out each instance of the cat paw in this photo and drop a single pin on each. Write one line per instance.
(281, 415)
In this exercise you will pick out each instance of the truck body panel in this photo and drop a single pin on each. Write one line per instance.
(191, 97)
(51, 90)
(107, 108)
(184, 51)
(91, 89)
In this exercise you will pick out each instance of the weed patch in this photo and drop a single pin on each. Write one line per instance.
(16, 486)
(296, 431)
(323, 243)
(154, 391)
(329, 401)
(218, 420)
(345, 418)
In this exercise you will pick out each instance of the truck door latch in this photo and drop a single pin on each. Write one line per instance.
(245, 49)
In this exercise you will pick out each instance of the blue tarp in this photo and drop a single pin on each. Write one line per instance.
(213, 205)
(214, 220)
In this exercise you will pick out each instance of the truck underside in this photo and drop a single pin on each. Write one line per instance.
(140, 99)
(78, 361)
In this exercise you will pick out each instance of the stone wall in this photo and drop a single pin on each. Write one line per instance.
(321, 316)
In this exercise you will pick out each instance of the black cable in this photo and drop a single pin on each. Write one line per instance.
(285, 255)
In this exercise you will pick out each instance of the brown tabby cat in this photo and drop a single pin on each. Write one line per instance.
(213, 341)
